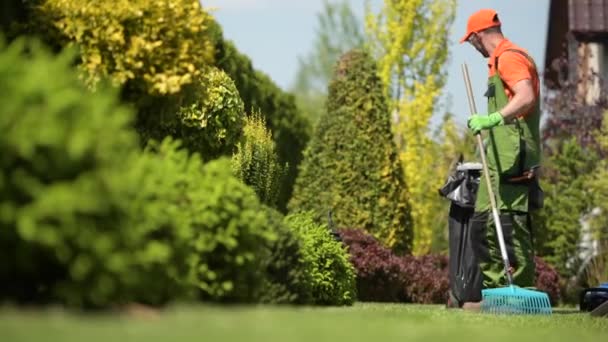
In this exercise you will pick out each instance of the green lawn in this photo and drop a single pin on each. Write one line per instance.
(362, 322)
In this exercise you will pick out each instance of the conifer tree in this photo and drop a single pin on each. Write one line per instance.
(351, 165)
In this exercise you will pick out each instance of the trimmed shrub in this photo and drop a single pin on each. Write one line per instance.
(231, 232)
(426, 279)
(255, 161)
(288, 278)
(216, 113)
(64, 154)
(209, 228)
(161, 54)
(161, 45)
(547, 280)
(380, 276)
(327, 261)
(351, 165)
(383, 276)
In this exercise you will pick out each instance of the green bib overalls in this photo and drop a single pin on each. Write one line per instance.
(513, 150)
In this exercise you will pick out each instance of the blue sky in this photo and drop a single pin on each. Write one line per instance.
(273, 33)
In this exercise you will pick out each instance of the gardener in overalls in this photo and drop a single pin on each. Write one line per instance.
(511, 126)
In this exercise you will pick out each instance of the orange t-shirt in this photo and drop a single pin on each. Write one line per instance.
(513, 67)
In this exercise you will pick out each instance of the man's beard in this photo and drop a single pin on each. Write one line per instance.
(482, 50)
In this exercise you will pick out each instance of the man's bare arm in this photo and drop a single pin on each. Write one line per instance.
(522, 102)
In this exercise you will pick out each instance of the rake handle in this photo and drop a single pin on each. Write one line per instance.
(482, 152)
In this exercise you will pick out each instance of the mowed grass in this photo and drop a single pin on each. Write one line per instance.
(361, 322)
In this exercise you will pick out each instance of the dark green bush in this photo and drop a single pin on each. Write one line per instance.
(327, 261)
(288, 278)
(351, 165)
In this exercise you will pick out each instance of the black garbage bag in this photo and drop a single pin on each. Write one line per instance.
(461, 186)
(465, 276)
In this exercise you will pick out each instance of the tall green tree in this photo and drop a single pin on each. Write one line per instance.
(338, 31)
(351, 164)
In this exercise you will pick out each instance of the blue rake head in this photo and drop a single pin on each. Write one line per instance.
(514, 300)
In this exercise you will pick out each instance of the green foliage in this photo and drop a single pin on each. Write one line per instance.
(206, 215)
(351, 165)
(162, 45)
(290, 129)
(255, 161)
(89, 220)
(207, 116)
(567, 198)
(231, 238)
(161, 54)
(217, 113)
(63, 192)
(597, 270)
(410, 39)
(326, 261)
(598, 186)
(339, 30)
(289, 280)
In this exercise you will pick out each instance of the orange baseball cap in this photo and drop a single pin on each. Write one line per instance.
(480, 21)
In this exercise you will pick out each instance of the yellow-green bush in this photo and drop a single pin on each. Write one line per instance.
(161, 54)
(215, 117)
(255, 161)
(326, 261)
(209, 230)
(162, 45)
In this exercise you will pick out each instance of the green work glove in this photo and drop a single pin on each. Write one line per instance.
(478, 122)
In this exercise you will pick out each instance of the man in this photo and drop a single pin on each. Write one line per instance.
(513, 153)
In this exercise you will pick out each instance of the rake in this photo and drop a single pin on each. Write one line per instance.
(511, 299)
